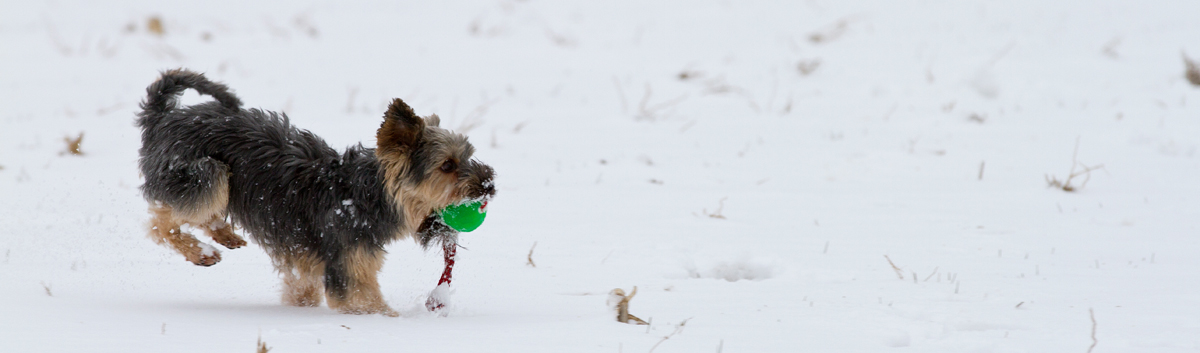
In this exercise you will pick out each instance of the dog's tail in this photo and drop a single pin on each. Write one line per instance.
(162, 94)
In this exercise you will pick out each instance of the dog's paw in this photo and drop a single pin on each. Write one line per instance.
(232, 243)
(205, 255)
(224, 235)
(207, 261)
(389, 312)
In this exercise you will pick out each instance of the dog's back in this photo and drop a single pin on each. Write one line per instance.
(190, 153)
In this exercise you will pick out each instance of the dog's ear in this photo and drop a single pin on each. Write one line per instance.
(401, 129)
(433, 120)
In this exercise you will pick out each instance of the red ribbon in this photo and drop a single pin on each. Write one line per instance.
(449, 249)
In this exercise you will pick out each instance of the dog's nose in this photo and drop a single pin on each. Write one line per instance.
(486, 175)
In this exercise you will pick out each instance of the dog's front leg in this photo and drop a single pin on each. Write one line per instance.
(351, 283)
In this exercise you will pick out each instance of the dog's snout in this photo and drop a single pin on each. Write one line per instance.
(482, 184)
(489, 188)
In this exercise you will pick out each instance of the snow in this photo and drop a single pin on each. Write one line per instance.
(217, 224)
(746, 165)
(439, 297)
(207, 250)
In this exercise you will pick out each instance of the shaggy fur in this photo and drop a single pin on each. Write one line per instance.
(323, 217)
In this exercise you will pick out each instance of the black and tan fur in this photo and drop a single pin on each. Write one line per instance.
(322, 216)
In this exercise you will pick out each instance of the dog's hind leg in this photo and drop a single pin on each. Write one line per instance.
(195, 193)
(302, 284)
(222, 233)
(164, 229)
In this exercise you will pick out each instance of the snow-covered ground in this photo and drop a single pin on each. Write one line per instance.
(827, 176)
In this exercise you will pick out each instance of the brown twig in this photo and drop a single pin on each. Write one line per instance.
(1065, 185)
(474, 118)
(621, 94)
(622, 306)
(830, 32)
(935, 271)
(262, 346)
(1192, 73)
(806, 67)
(73, 144)
(529, 258)
(717, 213)
(678, 329)
(899, 273)
(649, 112)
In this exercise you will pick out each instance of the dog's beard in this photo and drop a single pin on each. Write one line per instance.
(434, 230)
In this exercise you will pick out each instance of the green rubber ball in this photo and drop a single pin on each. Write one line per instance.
(464, 217)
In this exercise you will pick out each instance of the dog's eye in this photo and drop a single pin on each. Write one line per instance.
(449, 166)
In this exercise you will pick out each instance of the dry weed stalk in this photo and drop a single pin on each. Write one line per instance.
(717, 213)
(474, 118)
(1192, 73)
(529, 258)
(621, 94)
(719, 85)
(829, 33)
(678, 329)
(1092, 314)
(622, 306)
(807, 67)
(977, 118)
(649, 112)
(935, 271)
(716, 85)
(899, 273)
(1065, 185)
(262, 346)
(688, 74)
(73, 144)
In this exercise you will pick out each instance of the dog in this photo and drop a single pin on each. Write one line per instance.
(322, 217)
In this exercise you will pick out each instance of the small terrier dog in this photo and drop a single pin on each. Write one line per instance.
(322, 217)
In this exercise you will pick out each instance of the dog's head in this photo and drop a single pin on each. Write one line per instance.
(426, 167)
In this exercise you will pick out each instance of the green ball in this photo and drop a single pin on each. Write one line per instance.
(464, 217)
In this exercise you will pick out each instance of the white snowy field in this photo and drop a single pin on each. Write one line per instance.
(824, 176)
